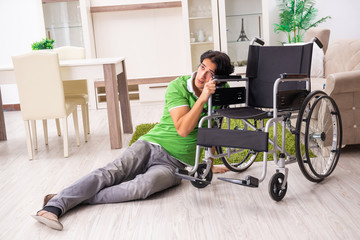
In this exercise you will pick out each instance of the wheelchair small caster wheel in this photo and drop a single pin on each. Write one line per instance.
(275, 184)
(200, 170)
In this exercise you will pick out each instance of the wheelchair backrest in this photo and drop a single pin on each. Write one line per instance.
(266, 63)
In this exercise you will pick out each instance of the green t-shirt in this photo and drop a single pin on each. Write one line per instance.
(179, 93)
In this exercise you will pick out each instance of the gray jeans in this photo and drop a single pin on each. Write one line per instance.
(143, 169)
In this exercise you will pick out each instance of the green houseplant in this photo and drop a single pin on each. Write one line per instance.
(296, 17)
(45, 43)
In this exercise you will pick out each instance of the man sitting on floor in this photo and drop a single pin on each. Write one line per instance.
(148, 165)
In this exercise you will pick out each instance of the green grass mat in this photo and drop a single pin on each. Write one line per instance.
(141, 130)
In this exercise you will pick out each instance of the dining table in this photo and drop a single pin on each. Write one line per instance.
(112, 70)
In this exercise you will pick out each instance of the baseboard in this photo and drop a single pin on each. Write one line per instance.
(11, 107)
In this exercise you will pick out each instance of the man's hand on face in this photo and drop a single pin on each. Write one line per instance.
(209, 89)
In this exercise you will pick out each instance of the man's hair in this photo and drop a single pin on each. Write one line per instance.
(221, 60)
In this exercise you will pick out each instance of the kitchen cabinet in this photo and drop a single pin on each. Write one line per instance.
(63, 23)
(224, 25)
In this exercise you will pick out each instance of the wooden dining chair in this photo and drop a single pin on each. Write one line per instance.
(41, 95)
(75, 90)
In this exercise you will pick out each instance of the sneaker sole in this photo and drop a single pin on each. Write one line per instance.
(50, 223)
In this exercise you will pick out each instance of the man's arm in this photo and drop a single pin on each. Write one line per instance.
(186, 119)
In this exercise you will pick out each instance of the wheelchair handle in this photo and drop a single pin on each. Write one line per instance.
(317, 41)
(257, 40)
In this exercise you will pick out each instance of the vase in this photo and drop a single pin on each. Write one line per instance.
(200, 36)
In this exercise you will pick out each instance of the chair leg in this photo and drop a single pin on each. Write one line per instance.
(76, 126)
(28, 139)
(65, 137)
(85, 122)
(45, 132)
(33, 123)
(58, 126)
(87, 118)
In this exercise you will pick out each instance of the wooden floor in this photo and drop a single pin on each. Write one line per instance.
(329, 210)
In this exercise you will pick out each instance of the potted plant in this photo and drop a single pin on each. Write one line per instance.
(296, 17)
(45, 43)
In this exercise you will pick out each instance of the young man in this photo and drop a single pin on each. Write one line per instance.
(148, 165)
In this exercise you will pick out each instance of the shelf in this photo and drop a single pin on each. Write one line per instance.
(244, 15)
(247, 42)
(100, 93)
(54, 1)
(201, 43)
(201, 18)
(150, 80)
(49, 28)
(240, 70)
(141, 6)
(134, 85)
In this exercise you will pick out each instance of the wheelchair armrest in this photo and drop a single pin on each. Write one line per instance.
(229, 78)
(285, 77)
(293, 76)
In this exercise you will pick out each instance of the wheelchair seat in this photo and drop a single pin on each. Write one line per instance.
(244, 113)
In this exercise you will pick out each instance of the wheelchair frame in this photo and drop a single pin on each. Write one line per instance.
(201, 175)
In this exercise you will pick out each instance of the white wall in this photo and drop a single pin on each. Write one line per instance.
(152, 40)
(345, 21)
(21, 24)
(345, 17)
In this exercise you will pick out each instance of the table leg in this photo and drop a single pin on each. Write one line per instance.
(112, 101)
(2, 122)
(124, 101)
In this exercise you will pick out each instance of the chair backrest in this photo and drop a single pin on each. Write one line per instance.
(69, 53)
(39, 85)
(266, 63)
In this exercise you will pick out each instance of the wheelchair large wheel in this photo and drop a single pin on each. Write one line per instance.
(319, 136)
(239, 161)
(200, 170)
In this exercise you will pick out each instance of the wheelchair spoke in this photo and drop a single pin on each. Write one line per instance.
(327, 120)
(328, 129)
(321, 164)
(314, 129)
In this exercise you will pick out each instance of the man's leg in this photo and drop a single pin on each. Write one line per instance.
(158, 176)
(131, 163)
(141, 157)
(155, 179)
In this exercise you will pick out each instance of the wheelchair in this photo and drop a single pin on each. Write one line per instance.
(276, 94)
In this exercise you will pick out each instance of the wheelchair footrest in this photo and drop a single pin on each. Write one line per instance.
(248, 182)
(184, 174)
